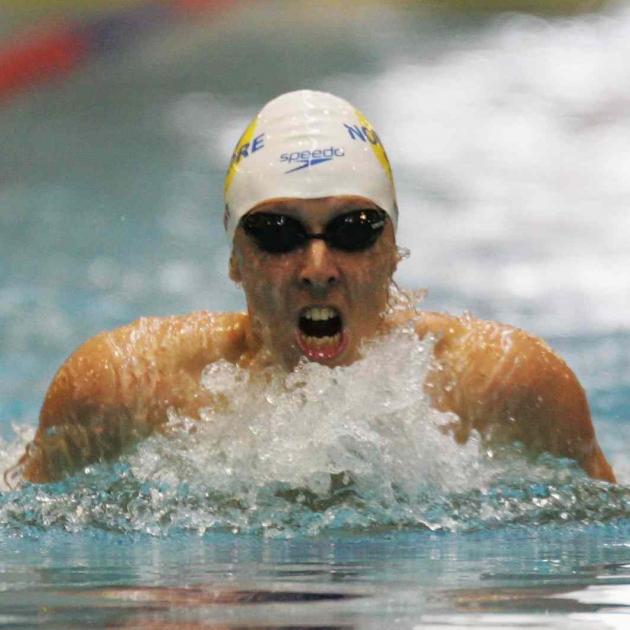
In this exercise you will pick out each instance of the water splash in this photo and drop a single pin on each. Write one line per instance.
(316, 431)
(318, 449)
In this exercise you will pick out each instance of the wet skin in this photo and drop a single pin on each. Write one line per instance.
(281, 286)
(117, 387)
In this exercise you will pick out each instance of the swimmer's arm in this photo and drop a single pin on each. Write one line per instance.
(550, 407)
(510, 386)
(118, 387)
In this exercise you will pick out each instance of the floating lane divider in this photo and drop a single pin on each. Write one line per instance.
(54, 50)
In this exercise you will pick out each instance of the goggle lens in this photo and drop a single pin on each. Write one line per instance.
(351, 232)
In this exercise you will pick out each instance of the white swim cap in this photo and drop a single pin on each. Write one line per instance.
(308, 145)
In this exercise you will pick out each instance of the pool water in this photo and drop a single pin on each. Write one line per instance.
(331, 498)
(554, 576)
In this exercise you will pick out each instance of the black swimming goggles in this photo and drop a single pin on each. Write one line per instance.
(353, 231)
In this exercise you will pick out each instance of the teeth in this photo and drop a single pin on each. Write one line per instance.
(317, 314)
(323, 341)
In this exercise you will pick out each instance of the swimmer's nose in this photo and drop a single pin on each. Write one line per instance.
(319, 270)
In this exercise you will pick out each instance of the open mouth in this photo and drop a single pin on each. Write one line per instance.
(320, 333)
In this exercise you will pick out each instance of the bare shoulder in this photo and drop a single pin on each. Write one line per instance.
(510, 385)
(500, 358)
(119, 385)
(200, 327)
(184, 340)
(142, 360)
(495, 346)
(147, 345)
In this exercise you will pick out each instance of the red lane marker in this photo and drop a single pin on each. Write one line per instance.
(32, 59)
(57, 50)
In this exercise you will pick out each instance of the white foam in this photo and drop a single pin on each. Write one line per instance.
(370, 421)
(11, 451)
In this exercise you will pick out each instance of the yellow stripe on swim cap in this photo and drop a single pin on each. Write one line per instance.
(240, 151)
(376, 144)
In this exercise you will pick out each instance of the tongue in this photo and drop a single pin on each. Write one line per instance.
(322, 348)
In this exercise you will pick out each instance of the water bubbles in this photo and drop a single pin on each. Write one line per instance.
(221, 376)
(317, 449)
(403, 301)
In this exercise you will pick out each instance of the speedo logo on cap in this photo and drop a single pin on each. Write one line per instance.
(305, 159)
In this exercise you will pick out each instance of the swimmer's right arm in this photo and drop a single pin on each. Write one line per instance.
(510, 386)
(118, 387)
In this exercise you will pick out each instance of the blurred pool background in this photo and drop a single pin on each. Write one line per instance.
(508, 128)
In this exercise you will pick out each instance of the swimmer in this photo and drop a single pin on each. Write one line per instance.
(310, 210)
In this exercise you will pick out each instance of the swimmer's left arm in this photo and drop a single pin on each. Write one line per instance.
(550, 406)
(510, 386)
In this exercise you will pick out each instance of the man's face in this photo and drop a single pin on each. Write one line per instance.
(315, 301)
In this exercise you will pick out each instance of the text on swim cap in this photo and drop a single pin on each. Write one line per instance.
(245, 149)
(365, 133)
(362, 133)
